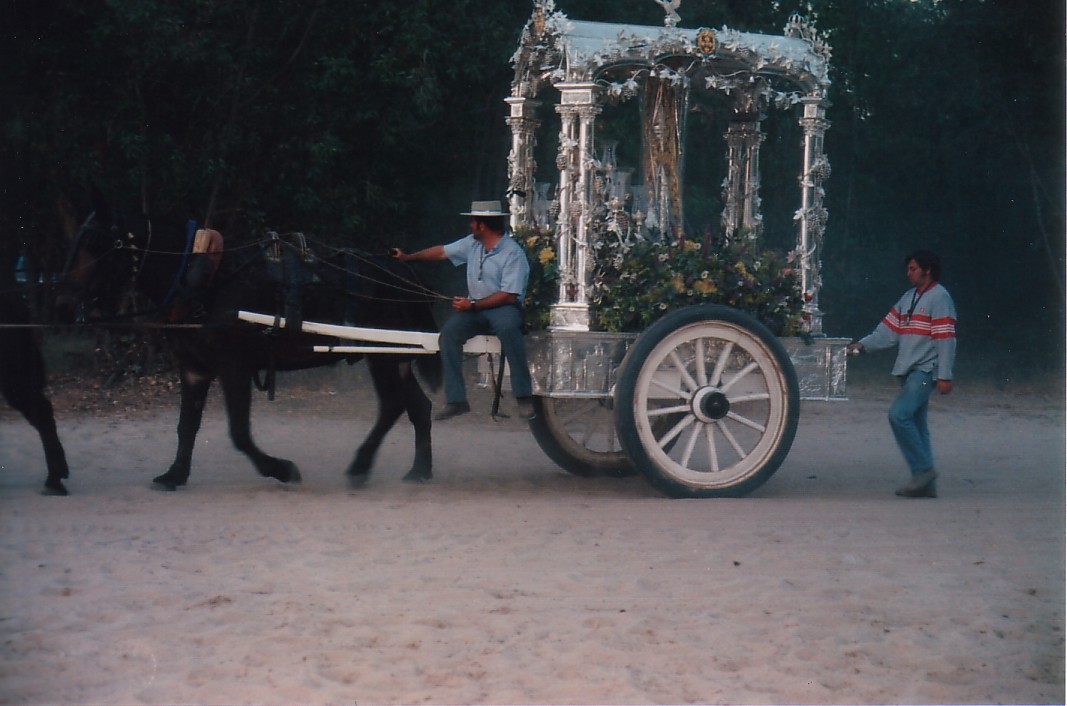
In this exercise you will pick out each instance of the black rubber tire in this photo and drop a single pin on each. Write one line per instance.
(571, 452)
(728, 381)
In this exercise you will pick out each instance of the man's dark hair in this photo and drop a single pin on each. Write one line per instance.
(497, 224)
(926, 260)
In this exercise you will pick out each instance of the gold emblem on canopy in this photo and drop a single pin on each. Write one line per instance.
(706, 41)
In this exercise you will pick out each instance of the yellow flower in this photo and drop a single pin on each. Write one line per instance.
(546, 256)
(678, 283)
(705, 286)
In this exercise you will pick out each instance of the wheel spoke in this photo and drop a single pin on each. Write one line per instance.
(720, 364)
(578, 412)
(698, 352)
(740, 375)
(733, 442)
(676, 430)
(690, 444)
(674, 391)
(713, 454)
(686, 377)
(592, 427)
(660, 411)
(747, 422)
(756, 397)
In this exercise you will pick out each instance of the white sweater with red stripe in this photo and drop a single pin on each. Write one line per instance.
(923, 326)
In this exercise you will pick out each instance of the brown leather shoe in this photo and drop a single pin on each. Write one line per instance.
(453, 409)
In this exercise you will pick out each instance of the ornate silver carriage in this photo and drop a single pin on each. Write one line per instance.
(705, 402)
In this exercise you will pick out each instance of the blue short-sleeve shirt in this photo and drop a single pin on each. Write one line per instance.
(502, 269)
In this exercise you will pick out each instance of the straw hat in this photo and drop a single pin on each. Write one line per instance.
(485, 208)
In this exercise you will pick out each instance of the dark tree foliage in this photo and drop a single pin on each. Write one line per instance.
(373, 123)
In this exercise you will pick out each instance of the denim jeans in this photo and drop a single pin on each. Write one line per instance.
(907, 417)
(505, 323)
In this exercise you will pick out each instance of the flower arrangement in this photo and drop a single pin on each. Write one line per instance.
(636, 283)
(542, 290)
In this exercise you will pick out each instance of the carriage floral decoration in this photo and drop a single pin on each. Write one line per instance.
(636, 283)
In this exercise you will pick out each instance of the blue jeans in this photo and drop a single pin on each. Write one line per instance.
(505, 323)
(907, 417)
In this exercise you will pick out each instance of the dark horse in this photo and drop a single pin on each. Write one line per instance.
(22, 382)
(277, 276)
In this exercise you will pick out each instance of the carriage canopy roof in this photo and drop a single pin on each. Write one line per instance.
(557, 49)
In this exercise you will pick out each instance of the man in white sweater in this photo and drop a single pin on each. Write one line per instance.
(923, 327)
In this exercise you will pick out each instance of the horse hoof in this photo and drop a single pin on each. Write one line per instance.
(54, 487)
(418, 476)
(357, 480)
(169, 482)
(286, 472)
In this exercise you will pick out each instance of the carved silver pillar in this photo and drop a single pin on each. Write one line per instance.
(521, 162)
(741, 200)
(812, 215)
(577, 111)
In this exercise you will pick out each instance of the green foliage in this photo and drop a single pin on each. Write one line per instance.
(636, 285)
(542, 291)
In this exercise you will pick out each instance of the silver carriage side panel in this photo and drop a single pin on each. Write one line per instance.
(576, 364)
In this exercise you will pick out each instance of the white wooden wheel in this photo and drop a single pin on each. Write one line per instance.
(579, 435)
(707, 403)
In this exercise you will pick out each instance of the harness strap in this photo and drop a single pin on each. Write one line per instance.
(498, 387)
(351, 284)
(268, 383)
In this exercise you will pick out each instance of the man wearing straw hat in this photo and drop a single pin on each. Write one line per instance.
(497, 274)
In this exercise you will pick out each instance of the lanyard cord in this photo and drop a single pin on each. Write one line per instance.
(914, 301)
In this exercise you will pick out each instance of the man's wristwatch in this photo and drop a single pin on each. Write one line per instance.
(474, 305)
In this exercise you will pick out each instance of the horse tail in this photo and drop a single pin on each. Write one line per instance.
(431, 370)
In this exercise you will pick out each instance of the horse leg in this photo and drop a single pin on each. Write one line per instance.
(37, 410)
(386, 379)
(419, 410)
(194, 395)
(54, 456)
(22, 383)
(393, 384)
(237, 389)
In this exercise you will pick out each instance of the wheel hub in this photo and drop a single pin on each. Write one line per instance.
(709, 404)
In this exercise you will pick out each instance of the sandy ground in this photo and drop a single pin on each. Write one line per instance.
(508, 581)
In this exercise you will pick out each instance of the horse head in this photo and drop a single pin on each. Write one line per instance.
(99, 268)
